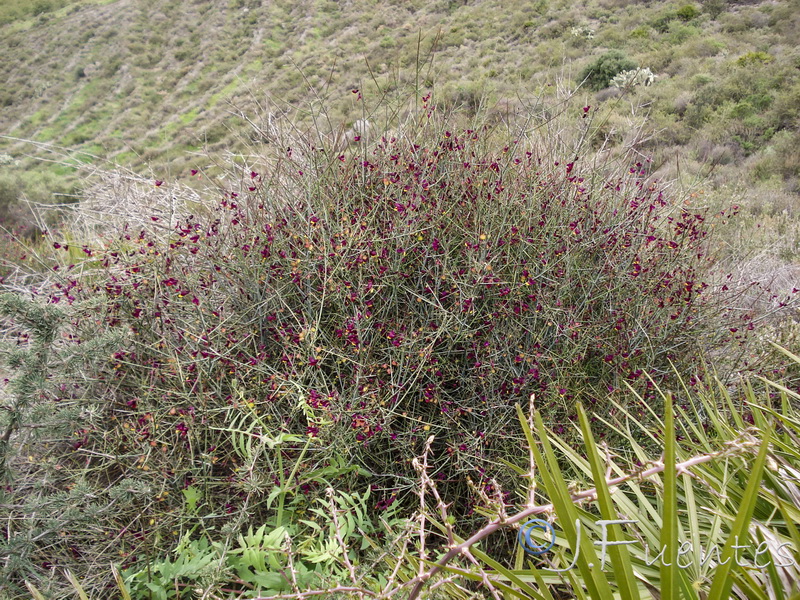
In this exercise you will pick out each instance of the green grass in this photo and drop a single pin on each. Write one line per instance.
(225, 93)
(190, 116)
(38, 117)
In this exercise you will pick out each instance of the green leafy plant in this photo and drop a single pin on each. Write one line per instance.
(270, 560)
(687, 12)
(600, 72)
(168, 578)
(754, 59)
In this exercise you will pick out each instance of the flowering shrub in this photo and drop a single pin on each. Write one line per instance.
(337, 310)
(421, 286)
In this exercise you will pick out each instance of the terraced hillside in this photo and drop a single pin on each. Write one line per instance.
(143, 81)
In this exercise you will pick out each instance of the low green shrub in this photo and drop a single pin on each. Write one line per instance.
(687, 12)
(599, 73)
(259, 560)
(666, 21)
(754, 59)
(714, 8)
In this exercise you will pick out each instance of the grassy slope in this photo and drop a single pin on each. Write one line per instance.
(148, 82)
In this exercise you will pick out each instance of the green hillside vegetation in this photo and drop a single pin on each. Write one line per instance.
(137, 81)
(330, 299)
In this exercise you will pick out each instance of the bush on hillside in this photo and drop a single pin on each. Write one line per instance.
(326, 312)
(687, 12)
(598, 74)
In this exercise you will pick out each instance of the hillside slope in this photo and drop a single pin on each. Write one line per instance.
(146, 82)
